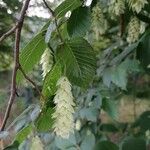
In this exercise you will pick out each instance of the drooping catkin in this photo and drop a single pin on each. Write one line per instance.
(99, 23)
(137, 5)
(36, 144)
(63, 115)
(119, 7)
(46, 62)
(133, 30)
(116, 8)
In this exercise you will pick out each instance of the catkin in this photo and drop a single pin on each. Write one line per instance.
(119, 7)
(36, 144)
(137, 5)
(133, 30)
(99, 23)
(46, 62)
(63, 115)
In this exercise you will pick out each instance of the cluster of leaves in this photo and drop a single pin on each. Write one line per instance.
(74, 57)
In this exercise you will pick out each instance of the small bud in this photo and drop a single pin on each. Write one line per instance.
(78, 125)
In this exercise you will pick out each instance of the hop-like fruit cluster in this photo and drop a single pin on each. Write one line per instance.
(46, 62)
(133, 30)
(99, 23)
(36, 144)
(137, 5)
(142, 27)
(117, 7)
(63, 115)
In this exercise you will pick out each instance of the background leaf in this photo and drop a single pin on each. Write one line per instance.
(143, 51)
(132, 143)
(66, 143)
(106, 145)
(110, 107)
(89, 114)
(88, 142)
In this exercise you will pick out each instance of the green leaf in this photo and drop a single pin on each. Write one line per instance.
(49, 86)
(46, 25)
(89, 114)
(119, 76)
(107, 76)
(108, 128)
(66, 143)
(110, 107)
(106, 145)
(45, 122)
(88, 142)
(65, 6)
(79, 61)
(143, 51)
(79, 22)
(13, 146)
(143, 122)
(132, 143)
(31, 54)
(22, 135)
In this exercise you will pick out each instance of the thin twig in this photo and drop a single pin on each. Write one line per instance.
(16, 66)
(122, 25)
(7, 34)
(55, 19)
(31, 81)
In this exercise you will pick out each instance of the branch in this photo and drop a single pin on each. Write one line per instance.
(124, 54)
(11, 31)
(16, 66)
(32, 82)
(122, 25)
(55, 19)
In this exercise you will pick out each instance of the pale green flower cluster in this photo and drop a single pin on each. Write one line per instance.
(142, 27)
(117, 7)
(63, 115)
(133, 30)
(36, 144)
(46, 62)
(99, 23)
(137, 5)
